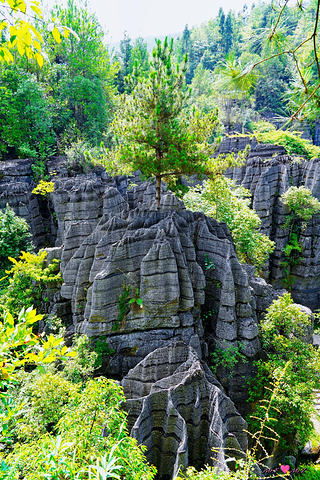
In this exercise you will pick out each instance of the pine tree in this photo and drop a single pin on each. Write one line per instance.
(155, 133)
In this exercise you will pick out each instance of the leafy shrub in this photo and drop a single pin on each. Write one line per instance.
(282, 332)
(81, 156)
(102, 349)
(14, 237)
(80, 368)
(291, 141)
(227, 358)
(80, 441)
(311, 473)
(28, 278)
(221, 199)
(43, 397)
(208, 473)
(302, 205)
(19, 346)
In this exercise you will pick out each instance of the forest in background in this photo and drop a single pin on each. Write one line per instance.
(74, 95)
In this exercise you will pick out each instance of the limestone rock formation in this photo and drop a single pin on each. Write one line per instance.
(267, 180)
(123, 250)
(16, 186)
(179, 411)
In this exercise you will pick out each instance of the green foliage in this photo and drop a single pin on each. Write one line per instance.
(28, 278)
(129, 296)
(292, 255)
(154, 133)
(14, 237)
(83, 100)
(101, 349)
(208, 473)
(208, 263)
(82, 157)
(42, 397)
(80, 79)
(302, 207)
(90, 355)
(227, 357)
(282, 336)
(25, 118)
(80, 368)
(78, 440)
(291, 141)
(312, 472)
(221, 199)
(19, 346)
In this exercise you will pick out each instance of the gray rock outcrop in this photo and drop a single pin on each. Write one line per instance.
(267, 180)
(179, 411)
(124, 247)
(16, 187)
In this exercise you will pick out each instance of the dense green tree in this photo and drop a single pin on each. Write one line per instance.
(125, 61)
(88, 55)
(139, 61)
(185, 47)
(222, 18)
(80, 79)
(26, 127)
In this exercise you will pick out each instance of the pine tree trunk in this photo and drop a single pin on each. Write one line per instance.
(158, 191)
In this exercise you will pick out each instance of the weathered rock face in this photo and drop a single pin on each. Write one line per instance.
(16, 185)
(267, 180)
(179, 411)
(126, 250)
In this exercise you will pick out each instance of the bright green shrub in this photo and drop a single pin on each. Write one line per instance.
(42, 397)
(208, 473)
(221, 199)
(301, 203)
(79, 439)
(81, 368)
(28, 278)
(302, 207)
(291, 141)
(311, 473)
(282, 332)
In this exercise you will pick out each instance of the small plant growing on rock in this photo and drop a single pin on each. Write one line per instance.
(227, 358)
(129, 296)
(302, 207)
(43, 188)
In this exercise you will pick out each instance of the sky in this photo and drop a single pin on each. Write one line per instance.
(156, 17)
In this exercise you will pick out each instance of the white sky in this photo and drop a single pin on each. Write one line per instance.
(156, 17)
